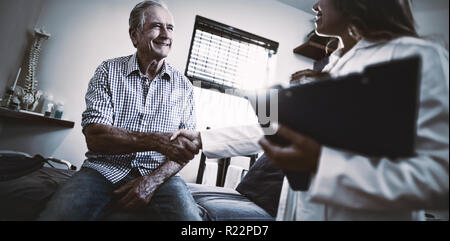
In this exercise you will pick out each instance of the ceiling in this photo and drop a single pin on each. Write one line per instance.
(305, 5)
(426, 5)
(418, 5)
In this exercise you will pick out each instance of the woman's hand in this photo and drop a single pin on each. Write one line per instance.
(307, 75)
(182, 150)
(193, 136)
(301, 155)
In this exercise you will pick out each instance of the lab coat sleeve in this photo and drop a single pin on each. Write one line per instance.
(231, 141)
(421, 182)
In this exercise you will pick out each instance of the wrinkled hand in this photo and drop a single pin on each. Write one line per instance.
(303, 76)
(193, 136)
(135, 194)
(181, 150)
(301, 155)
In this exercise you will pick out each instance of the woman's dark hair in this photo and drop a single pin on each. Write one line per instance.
(379, 20)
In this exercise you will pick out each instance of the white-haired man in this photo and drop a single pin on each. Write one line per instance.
(133, 104)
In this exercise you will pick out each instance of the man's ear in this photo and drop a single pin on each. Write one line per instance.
(133, 36)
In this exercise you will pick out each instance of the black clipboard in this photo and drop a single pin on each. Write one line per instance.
(373, 113)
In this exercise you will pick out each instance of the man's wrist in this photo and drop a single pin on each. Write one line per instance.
(155, 178)
(159, 141)
(165, 171)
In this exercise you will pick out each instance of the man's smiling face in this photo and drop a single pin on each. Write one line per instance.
(156, 36)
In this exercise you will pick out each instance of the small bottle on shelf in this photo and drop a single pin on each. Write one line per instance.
(59, 110)
(48, 98)
(48, 109)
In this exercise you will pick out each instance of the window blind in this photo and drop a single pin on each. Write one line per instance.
(223, 57)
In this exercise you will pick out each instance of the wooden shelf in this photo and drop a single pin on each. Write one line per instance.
(311, 50)
(316, 46)
(34, 118)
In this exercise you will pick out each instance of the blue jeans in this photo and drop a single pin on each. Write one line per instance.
(88, 196)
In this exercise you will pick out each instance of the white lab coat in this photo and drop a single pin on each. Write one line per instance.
(348, 186)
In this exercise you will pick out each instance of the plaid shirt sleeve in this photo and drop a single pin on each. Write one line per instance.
(99, 107)
(189, 121)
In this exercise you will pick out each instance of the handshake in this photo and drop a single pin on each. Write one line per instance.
(181, 146)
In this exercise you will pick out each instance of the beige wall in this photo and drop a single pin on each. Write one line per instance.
(434, 23)
(17, 19)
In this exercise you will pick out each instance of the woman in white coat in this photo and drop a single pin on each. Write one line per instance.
(345, 185)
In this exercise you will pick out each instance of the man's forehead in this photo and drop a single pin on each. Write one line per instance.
(158, 14)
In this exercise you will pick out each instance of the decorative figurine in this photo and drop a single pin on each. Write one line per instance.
(30, 94)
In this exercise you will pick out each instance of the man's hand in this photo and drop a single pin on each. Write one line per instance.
(193, 136)
(137, 193)
(302, 155)
(181, 150)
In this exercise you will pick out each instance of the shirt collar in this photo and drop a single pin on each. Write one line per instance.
(336, 56)
(166, 72)
(133, 66)
(361, 44)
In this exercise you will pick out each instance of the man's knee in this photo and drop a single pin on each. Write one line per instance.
(173, 201)
(83, 197)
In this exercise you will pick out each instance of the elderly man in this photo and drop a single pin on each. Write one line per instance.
(133, 104)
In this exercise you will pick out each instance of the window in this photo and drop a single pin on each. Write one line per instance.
(222, 57)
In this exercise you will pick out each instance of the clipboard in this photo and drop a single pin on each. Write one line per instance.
(373, 113)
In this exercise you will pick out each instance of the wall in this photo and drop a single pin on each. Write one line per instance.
(432, 18)
(15, 35)
(84, 33)
(433, 23)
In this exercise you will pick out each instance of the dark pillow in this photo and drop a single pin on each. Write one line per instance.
(25, 197)
(17, 164)
(262, 185)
